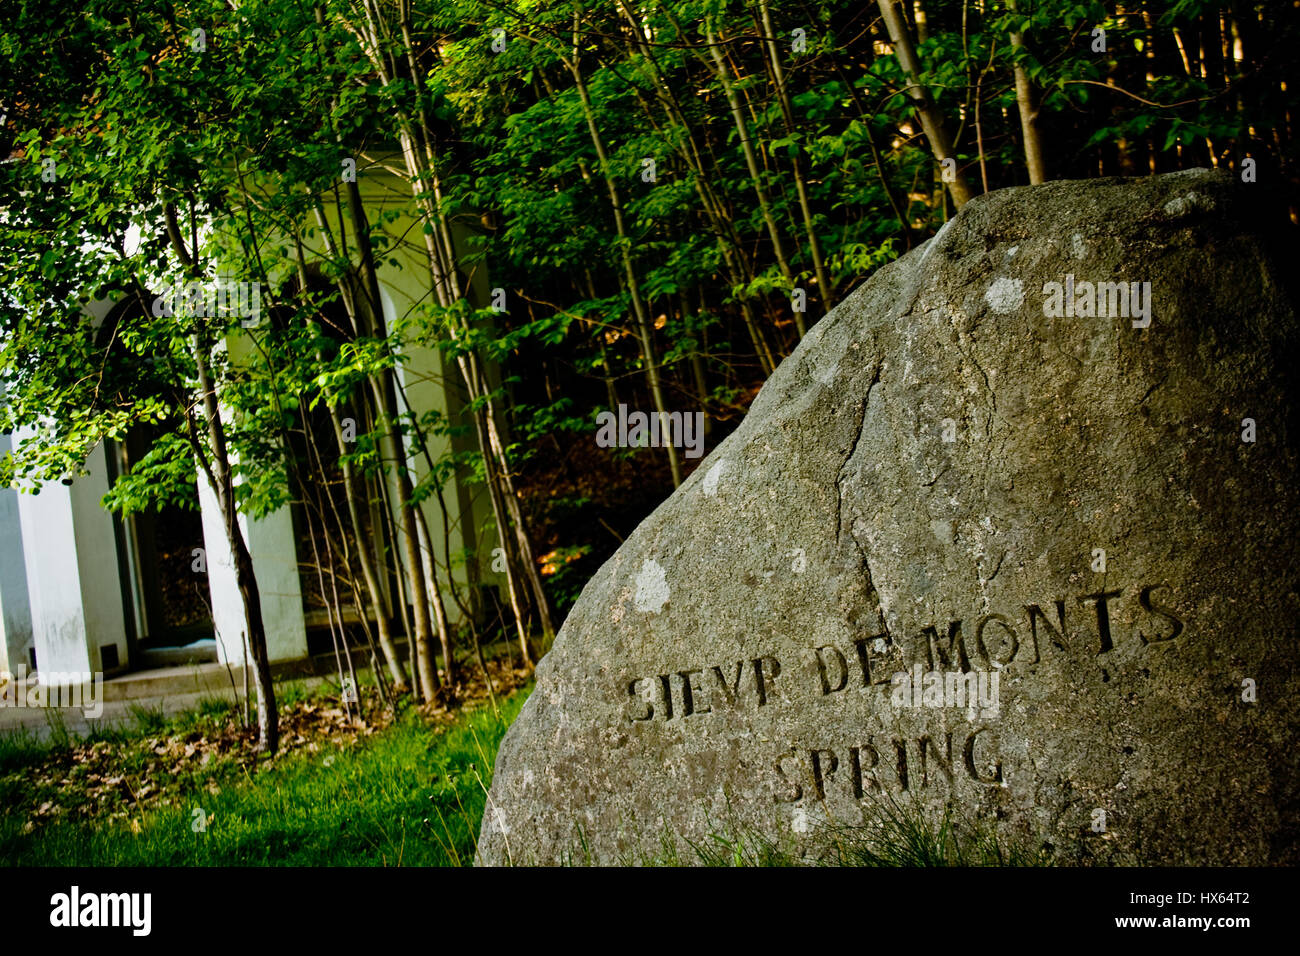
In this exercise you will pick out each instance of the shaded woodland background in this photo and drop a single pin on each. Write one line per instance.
(778, 170)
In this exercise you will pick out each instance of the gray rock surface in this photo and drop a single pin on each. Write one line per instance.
(927, 483)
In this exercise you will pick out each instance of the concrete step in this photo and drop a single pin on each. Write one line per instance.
(210, 678)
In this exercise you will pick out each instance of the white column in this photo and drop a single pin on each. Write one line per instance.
(15, 611)
(272, 545)
(72, 573)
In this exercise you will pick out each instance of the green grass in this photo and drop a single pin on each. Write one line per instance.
(905, 836)
(149, 720)
(20, 746)
(902, 835)
(408, 795)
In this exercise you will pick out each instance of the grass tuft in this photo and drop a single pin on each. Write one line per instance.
(899, 836)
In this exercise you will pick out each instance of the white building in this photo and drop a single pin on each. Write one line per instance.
(83, 590)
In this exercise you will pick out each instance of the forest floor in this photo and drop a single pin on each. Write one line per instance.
(377, 787)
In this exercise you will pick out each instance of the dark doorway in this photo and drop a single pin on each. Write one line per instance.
(166, 598)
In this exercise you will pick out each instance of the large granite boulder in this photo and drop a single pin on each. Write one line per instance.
(1044, 461)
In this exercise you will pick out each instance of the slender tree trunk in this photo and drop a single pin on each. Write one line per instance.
(825, 291)
(739, 269)
(1028, 109)
(386, 397)
(214, 458)
(611, 393)
(332, 612)
(268, 720)
(369, 575)
(721, 71)
(922, 24)
(926, 110)
(638, 305)
(865, 117)
(439, 608)
(522, 539)
(499, 519)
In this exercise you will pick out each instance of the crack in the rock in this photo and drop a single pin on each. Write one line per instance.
(839, 498)
(933, 481)
(853, 449)
(1152, 389)
(992, 410)
(1002, 557)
